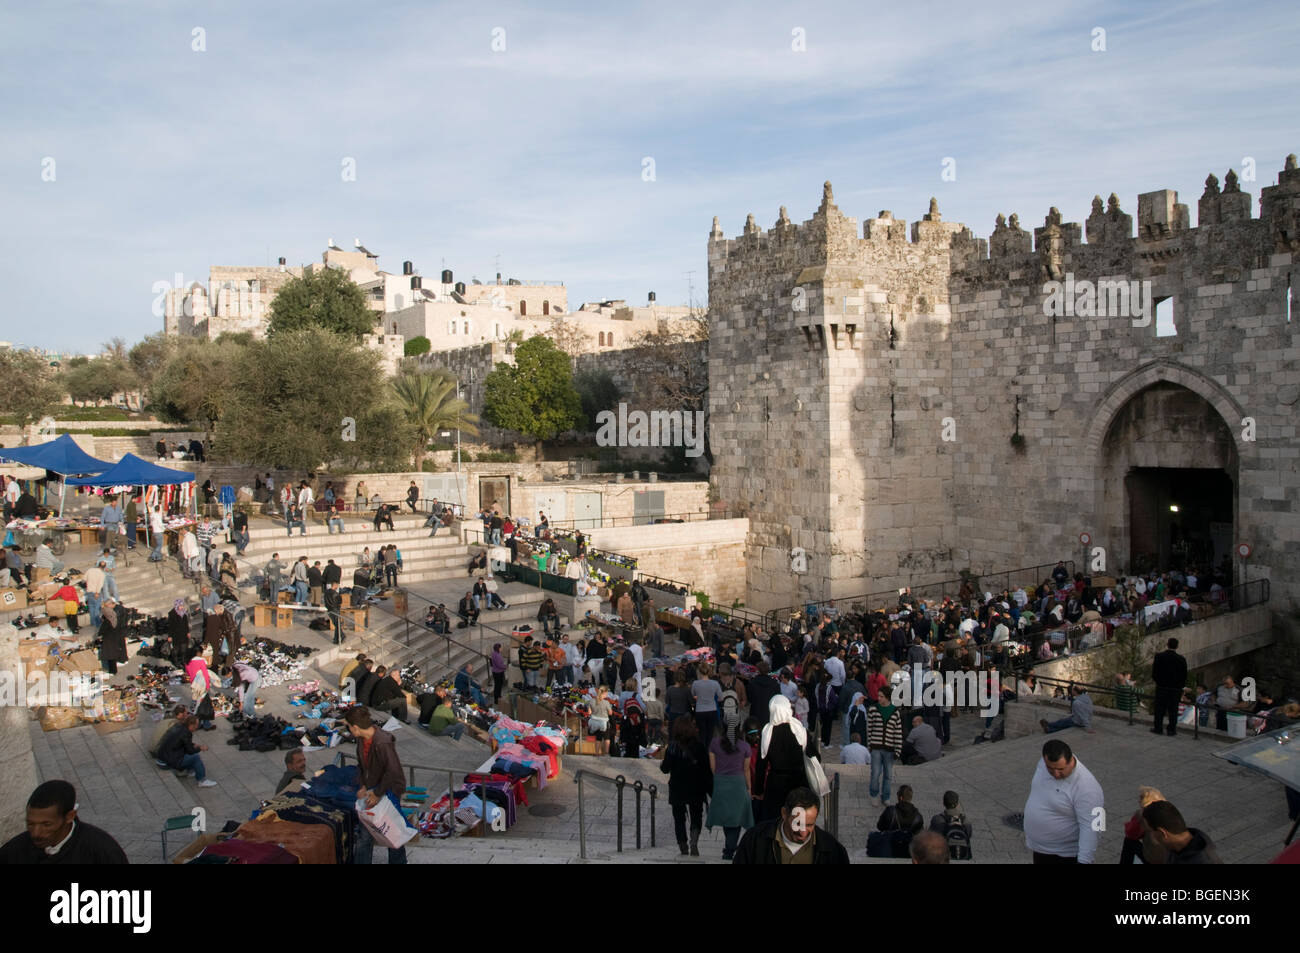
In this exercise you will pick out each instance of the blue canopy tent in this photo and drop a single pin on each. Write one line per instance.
(61, 455)
(132, 471)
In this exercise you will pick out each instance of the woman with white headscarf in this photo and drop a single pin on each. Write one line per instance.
(780, 757)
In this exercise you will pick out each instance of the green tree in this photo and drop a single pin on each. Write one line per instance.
(417, 346)
(99, 380)
(194, 384)
(536, 396)
(429, 405)
(326, 299)
(598, 392)
(148, 356)
(309, 397)
(30, 388)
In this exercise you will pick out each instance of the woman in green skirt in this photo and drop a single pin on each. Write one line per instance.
(732, 764)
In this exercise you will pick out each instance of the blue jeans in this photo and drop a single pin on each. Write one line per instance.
(299, 523)
(92, 606)
(192, 762)
(1060, 724)
(332, 521)
(241, 541)
(882, 773)
(157, 554)
(110, 586)
(453, 731)
(300, 591)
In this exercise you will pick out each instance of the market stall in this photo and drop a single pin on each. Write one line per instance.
(158, 485)
(61, 455)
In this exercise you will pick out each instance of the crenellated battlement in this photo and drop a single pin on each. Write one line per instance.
(1160, 218)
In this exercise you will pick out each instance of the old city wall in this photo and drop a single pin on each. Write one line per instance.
(871, 422)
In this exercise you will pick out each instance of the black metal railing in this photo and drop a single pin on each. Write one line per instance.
(582, 776)
(1129, 699)
(949, 588)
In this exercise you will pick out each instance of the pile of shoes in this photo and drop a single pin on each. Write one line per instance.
(267, 733)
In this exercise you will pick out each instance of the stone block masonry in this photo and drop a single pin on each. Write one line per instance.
(864, 391)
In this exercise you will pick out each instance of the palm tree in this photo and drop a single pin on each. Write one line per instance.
(429, 402)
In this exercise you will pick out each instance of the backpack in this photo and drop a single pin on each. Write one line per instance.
(958, 841)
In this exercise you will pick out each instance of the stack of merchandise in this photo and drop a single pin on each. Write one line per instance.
(690, 656)
(277, 662)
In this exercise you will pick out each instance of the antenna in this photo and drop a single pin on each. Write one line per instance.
(690, 284)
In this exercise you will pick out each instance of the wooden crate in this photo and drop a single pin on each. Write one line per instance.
(354, 619)
(263, 615)
(283, 617)
(89, 537)
(284, 598)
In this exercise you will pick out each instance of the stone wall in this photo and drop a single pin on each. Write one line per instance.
(864, 392)
(708, 556)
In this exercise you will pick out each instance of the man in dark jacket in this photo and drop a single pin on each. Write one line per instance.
(1186, 845)
(1169, 671)
(333, 603)
(178, 751)
(333, 572)
(381, 777)
(365, 679)
(55, 835)
(793, 838)
(388, 696)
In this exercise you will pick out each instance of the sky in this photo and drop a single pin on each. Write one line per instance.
(585, 143)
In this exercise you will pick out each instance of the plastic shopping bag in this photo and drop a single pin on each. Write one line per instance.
(385, 823)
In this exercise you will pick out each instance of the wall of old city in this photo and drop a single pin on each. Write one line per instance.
(864, 391)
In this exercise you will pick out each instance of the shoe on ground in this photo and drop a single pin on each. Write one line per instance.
(1156, 731)
(207, 783)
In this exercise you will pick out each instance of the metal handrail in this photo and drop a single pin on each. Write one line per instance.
(1134, 693)
(619, 782)
(775, 615)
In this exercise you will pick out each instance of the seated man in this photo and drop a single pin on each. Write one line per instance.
(387, 695)
(921, 744)
(855, 752)
(384, 517)
(465, 685)
(478, 561)
(443, 722)
(1080, 713)
(335, 520)
(467, 611)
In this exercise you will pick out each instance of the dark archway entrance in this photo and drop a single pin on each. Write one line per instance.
(1179, 517)
(1167, 446)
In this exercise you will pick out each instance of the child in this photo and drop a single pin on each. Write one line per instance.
(801, 705)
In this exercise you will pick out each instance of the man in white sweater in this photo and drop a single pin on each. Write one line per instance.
(1065, 810)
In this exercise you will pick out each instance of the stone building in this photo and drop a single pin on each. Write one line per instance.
(903, 408)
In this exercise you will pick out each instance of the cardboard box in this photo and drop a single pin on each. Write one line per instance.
(346, 596)
(56, 718)
(55, 607)
(263, 615)
(354, 619)
(84, 661)
(29, 649)
(39, 574)
(284, 598)
(12, 599)
(283, 617)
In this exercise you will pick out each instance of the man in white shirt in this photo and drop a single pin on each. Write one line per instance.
(835, 665)
(1021, 597)
(1065, 809)
(305, 497)
(967, 626)
(855, 752)
(639, 654)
